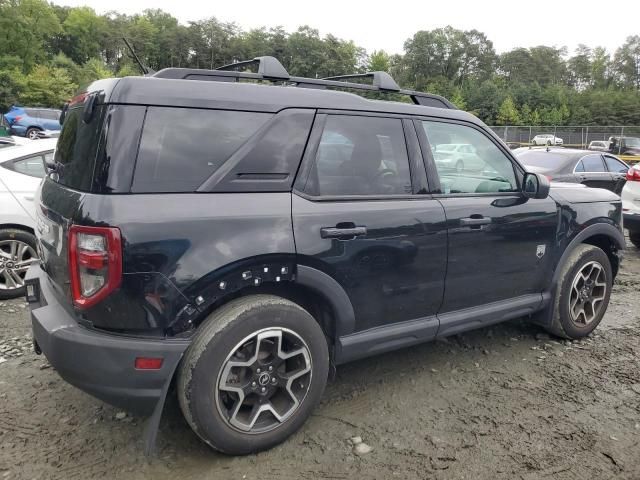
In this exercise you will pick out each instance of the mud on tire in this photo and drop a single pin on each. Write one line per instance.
(582, 293)
(253, 374)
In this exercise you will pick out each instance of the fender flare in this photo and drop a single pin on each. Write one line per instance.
(335, 295)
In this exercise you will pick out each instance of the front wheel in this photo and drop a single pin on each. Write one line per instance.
(634, 237)
(582, 294)
(253, 374)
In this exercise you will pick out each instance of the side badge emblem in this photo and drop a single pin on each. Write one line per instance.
(540, 251)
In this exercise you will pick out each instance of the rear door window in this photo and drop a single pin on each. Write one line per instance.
(593, 163)
(182, 147)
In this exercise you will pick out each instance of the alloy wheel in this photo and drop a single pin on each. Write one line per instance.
(264, 380)
(588, 292)
(15, 259)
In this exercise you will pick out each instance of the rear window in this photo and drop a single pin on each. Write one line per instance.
(182, 147)
(542, 159)
(77, 147)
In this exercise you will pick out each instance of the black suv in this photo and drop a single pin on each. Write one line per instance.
(239, 234)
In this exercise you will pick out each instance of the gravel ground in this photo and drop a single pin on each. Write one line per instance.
(506, 402)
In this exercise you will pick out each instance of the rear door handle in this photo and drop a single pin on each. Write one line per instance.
(475, 222)
(343, 233)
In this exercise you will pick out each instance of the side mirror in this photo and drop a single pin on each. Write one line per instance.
(535, 185)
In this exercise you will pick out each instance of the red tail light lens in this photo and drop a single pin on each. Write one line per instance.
(633, 175)
(17, 119)
(95, 263)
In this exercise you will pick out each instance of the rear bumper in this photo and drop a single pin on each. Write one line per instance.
(99, 363)
(18, 130)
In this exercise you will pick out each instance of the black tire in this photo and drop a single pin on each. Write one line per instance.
(221, 335)
(32, 133)
(634, 237)
(563, 324)
(548, 143)
(7, 236)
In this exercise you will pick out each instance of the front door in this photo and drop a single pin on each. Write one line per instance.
(362, 215)
(500, 243)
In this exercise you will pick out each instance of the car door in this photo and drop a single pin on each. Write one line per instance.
(618, 171)
(22, 177)
(500, 243)
(362, 215)
(591, 171)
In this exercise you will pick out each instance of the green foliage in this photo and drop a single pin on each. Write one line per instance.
(47, 51)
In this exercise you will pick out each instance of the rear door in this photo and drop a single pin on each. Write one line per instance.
(591, 171)
(362, 215)
(618, 171)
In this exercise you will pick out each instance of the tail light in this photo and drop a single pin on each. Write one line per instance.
(95, 263)
(633, 175)
(17, 119)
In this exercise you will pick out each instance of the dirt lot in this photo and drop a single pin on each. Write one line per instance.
(506, 402)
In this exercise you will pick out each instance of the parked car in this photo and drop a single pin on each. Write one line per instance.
(241, 240)
(33, 123)
(458, 157)
(624, 145)
(4, 127)
(581, 166)
(546, 139)
(631, 204)
(21, 169)
(599, 145)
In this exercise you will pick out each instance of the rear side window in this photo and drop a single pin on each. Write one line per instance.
(361, 156)
(182, 147)
(32, 166)
(77, 147)
(593, 163)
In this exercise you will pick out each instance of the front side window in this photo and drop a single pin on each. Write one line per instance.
(593, 163)
(182, 147)
(477, 165)
(361, 156)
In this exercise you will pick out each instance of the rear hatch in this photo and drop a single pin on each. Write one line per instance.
(63, 192)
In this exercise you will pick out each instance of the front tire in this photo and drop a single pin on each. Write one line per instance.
(254, 373)
(17, 253)
(582, 294)
(634, 237)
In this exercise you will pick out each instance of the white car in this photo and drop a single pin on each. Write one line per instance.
(599, 145)
(546, 139)
(21, 170)
(458, 157)
(631, 204)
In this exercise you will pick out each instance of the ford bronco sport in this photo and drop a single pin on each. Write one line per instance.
(239, 234)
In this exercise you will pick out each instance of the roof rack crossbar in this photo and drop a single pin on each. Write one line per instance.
(268, 67)
(382, 80)
(269, 71)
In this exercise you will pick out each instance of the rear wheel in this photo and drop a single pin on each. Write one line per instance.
(17, 253)
(32, 133)
(635, 238)
(253, 374)
(582, 294)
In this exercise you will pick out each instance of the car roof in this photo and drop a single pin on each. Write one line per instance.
(32, 148)
(253, 97)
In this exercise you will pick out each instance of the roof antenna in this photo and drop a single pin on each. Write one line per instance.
(145, 70)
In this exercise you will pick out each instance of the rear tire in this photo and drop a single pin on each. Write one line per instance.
(253, 374)
(32, 133)
(582, 293)
(634, 237)
(17, 253)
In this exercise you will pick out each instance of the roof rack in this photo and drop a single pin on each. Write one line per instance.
(270, 69)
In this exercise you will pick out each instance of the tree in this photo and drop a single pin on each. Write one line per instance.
(379, 61)
(508, 113)
(46, 86)
(627, 63)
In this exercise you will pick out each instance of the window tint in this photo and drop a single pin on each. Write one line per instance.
(76, 148)
(482, 168)
(32, 112)
(361, 156)
(32, 166)
(181, 147)
(579, 167)
(615, 165)
(593, 163)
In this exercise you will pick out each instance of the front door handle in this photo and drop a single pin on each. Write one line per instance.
(475, 221)
(343, 233)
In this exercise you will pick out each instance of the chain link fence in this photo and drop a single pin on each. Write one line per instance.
(572, 136)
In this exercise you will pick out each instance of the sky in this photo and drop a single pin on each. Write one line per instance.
(377, 25)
